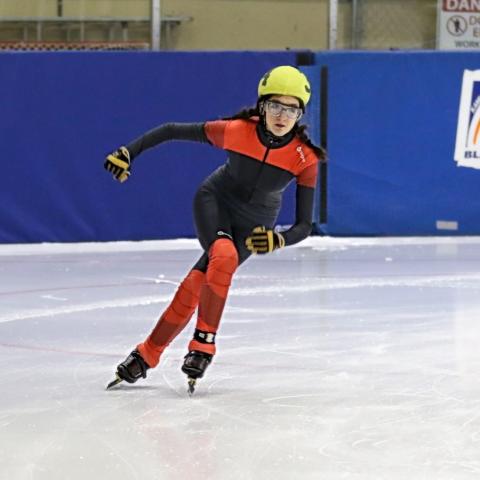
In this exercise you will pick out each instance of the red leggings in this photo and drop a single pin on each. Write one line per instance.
(207, 290)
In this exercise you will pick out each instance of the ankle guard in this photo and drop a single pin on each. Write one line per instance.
(203, 342)
(204, 337)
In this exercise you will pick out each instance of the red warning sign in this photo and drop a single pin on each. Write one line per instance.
(461, 5)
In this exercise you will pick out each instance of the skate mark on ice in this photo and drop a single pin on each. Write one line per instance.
(85, 307)
(218, 411)
(279, 401)
(82, 287)
(59, 350)
(291, 354)
(171, 386)
(154, 280)
(269, 310)
(53, 297)
(216, 382)
(468, 280)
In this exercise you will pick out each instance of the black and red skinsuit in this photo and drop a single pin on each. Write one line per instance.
(243, 193)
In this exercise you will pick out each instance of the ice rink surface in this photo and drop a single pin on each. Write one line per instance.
(337, 359)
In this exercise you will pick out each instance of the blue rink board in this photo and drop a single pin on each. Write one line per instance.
(63, 112)
(391, 136)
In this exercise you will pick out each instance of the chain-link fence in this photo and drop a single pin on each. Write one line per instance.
(389, 24)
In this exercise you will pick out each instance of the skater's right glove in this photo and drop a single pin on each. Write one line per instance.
(119, 164)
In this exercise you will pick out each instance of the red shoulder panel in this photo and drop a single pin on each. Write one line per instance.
(297, 158)
(236, 135)
(241, 137)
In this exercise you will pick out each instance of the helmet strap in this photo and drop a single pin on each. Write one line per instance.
(261, 106)
(261, 111)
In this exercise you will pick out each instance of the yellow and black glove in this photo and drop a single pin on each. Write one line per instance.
(263, 240)
(119, 164)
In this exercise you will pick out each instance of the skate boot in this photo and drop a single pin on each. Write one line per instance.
(194, 366)
(130, 370)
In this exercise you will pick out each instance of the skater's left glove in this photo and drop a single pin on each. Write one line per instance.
(263, 240)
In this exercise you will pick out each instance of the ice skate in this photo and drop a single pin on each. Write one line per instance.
(194, 366)
(130, 370)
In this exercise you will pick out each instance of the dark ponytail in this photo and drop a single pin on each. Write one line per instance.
(300, 130)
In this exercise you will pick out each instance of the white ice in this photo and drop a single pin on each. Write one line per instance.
(337, 359)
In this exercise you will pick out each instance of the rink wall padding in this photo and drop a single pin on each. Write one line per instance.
(62, 112)
(391, 138)
(390, 133)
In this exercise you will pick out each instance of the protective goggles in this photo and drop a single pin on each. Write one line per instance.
(276, 108)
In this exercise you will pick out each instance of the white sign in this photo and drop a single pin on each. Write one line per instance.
(458, 26)
(467, 146)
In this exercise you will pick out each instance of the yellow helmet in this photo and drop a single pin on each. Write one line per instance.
(285, 80)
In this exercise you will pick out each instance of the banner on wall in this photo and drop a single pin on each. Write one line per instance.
(467, 146)
(458, 25)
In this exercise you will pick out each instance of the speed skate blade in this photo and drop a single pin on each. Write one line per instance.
(191, 385)
(114, 382)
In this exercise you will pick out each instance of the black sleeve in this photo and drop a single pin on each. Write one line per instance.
(303, 220)
(168, 131)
